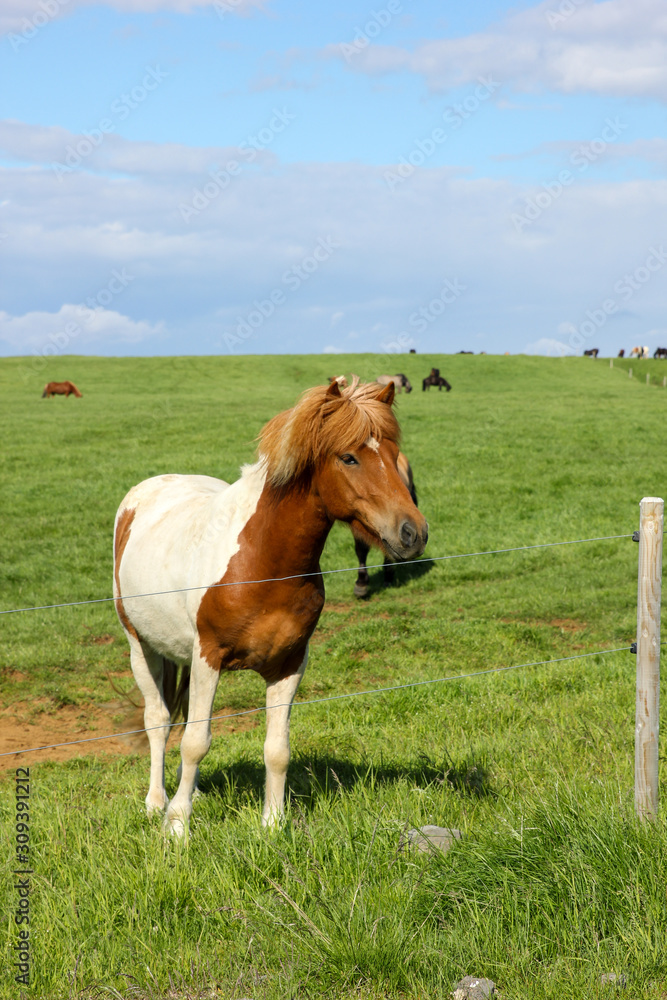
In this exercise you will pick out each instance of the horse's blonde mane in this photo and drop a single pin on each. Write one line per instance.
(322, 424)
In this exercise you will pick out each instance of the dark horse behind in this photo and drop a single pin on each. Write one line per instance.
(435, 378)
(362, 584)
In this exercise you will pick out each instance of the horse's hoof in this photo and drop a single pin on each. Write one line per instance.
(156, 807)
(361, 590)
(175, 827)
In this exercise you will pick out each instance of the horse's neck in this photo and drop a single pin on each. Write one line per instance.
(288, 530)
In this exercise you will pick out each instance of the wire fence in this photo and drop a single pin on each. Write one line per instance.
(339, 697)
(320, 701)
(297, 576)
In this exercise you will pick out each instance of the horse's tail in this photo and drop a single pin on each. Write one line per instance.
(76, 391)
(176, 690)
(45, 390)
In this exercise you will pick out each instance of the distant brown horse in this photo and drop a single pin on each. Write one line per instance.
(60, 389)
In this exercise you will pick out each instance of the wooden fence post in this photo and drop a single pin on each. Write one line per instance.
(647, 716)
(630, 372)
(611, 362)
(648, 378)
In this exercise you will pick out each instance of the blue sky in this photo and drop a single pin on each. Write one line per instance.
(242, 176)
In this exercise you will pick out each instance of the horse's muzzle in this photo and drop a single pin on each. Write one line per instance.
(411, 540)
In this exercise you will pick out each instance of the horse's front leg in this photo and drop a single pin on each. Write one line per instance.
(195, 743)
(362, 584)
(279, 698)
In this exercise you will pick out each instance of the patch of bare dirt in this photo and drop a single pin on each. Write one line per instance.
(88, 729)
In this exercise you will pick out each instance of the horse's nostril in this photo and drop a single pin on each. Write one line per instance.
(408, 534)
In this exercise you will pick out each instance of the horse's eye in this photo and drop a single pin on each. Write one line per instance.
(348, 460)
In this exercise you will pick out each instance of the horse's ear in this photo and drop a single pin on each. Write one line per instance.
(333, 392)
(386, 394)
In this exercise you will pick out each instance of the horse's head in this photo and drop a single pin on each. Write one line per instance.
(357, 477)
(344, 446)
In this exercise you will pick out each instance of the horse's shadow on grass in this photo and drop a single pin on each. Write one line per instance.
(400, 573)
(312, 777)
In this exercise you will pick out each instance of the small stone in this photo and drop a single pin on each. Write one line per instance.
(431, 838)
(473, 988)
(611, 979)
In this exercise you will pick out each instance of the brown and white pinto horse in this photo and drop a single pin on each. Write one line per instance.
(60, 389)
(244, 560)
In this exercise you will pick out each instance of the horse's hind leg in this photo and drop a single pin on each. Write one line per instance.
(147, 668)
(195, 743)
(279, 698)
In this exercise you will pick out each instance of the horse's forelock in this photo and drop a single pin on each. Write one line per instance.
(322, 424)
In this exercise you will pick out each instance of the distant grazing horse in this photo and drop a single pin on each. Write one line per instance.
(362, 585)
(660, 352)
(621, 353)
(435, 378)
(60, 389)
(592, 353)
(237, 570)
(639, 352)
(400, 381)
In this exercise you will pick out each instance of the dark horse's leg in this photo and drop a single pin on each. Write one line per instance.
(361, 586)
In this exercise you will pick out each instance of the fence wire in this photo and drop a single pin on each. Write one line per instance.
(296, 576)
(320, 701)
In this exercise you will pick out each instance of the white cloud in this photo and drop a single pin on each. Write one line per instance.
(26, 17)
(66, 237)
(66, 152)
(547, 345)
(70, 329)
(613, 48)
(330, 349)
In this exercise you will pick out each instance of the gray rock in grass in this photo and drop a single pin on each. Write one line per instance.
(611, 979)
(431, 838)
(473, 988)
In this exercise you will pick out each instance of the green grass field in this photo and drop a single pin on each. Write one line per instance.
(554, 882)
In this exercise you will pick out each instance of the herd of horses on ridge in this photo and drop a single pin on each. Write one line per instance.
(636, 352)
